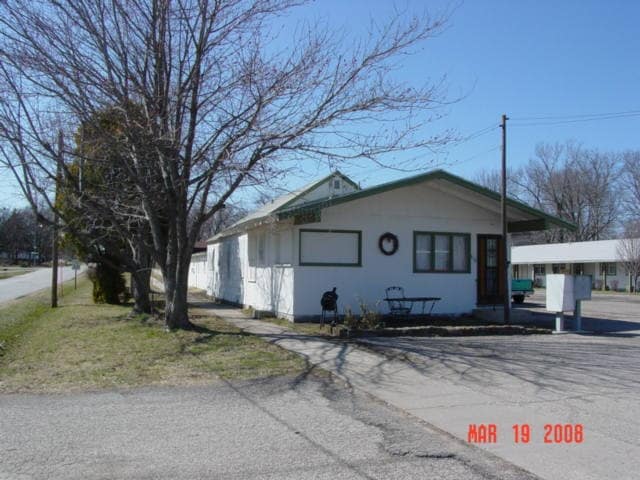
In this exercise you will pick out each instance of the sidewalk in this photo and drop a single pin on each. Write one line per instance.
(447, 404)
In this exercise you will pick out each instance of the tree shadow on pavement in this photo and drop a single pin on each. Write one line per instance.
(558, 367)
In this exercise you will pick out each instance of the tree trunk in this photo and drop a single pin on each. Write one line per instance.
(140, 290)
(141, 277)
(176, 313)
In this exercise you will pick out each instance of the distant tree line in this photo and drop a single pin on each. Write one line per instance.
(22, 238)
(597, 191)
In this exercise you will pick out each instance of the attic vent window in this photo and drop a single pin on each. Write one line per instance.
(336, 184)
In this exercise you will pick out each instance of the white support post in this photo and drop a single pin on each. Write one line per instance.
(559, 323)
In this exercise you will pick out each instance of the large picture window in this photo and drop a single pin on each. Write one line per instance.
(342, 248)
(441, 252)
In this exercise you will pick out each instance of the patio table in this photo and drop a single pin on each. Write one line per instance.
(414, 300)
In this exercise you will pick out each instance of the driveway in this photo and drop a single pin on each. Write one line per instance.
(606, 313)
(284, 428)
(592, 380)
(16, 287)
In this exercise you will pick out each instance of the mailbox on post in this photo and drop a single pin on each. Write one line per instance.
(564, 294)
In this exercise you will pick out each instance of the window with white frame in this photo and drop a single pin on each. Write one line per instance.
(539, 269)
(609, 269)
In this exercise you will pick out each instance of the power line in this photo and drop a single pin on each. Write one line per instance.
(479, 133)
(567, 117)
(473, 157)
(576, 119)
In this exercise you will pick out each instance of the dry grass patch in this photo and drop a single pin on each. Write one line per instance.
(82, 346)
(304, 327)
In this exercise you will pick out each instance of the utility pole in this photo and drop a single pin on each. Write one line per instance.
(503, 201)
(54, 247)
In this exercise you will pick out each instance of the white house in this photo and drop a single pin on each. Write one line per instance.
(600, 259)
(434, 234)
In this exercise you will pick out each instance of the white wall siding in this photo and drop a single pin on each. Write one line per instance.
(258, 284)
(228, 256)
(400, 212)
(198, 275)
(212, 272)
(619, 281)
(272, 291)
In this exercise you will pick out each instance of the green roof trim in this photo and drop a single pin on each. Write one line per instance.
(284, 212)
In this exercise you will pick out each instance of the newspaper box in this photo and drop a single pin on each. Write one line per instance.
(564, 294)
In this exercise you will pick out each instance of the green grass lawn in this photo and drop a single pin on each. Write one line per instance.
(82, 346)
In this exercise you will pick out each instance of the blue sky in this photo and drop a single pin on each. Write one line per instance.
(526, 59)
(523, 58)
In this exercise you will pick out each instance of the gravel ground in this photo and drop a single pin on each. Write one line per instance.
(282, 428)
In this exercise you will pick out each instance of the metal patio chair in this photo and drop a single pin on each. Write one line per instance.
(398, 307)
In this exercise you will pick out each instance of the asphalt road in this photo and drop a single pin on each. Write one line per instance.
(21, 285)
(286, 428)
(592, 380)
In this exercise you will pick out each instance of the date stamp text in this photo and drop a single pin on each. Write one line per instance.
(523, 433)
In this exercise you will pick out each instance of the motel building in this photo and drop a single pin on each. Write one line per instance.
(598, 259)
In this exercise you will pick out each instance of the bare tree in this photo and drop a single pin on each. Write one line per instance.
(222, 219)
(575, 184)
(22, 237)
(629, 252)
(492, 179)
(631, 183)
(226, 101)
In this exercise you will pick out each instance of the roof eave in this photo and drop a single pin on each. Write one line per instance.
(242, 227)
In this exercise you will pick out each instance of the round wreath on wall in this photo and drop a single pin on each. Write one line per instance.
(388, 243)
